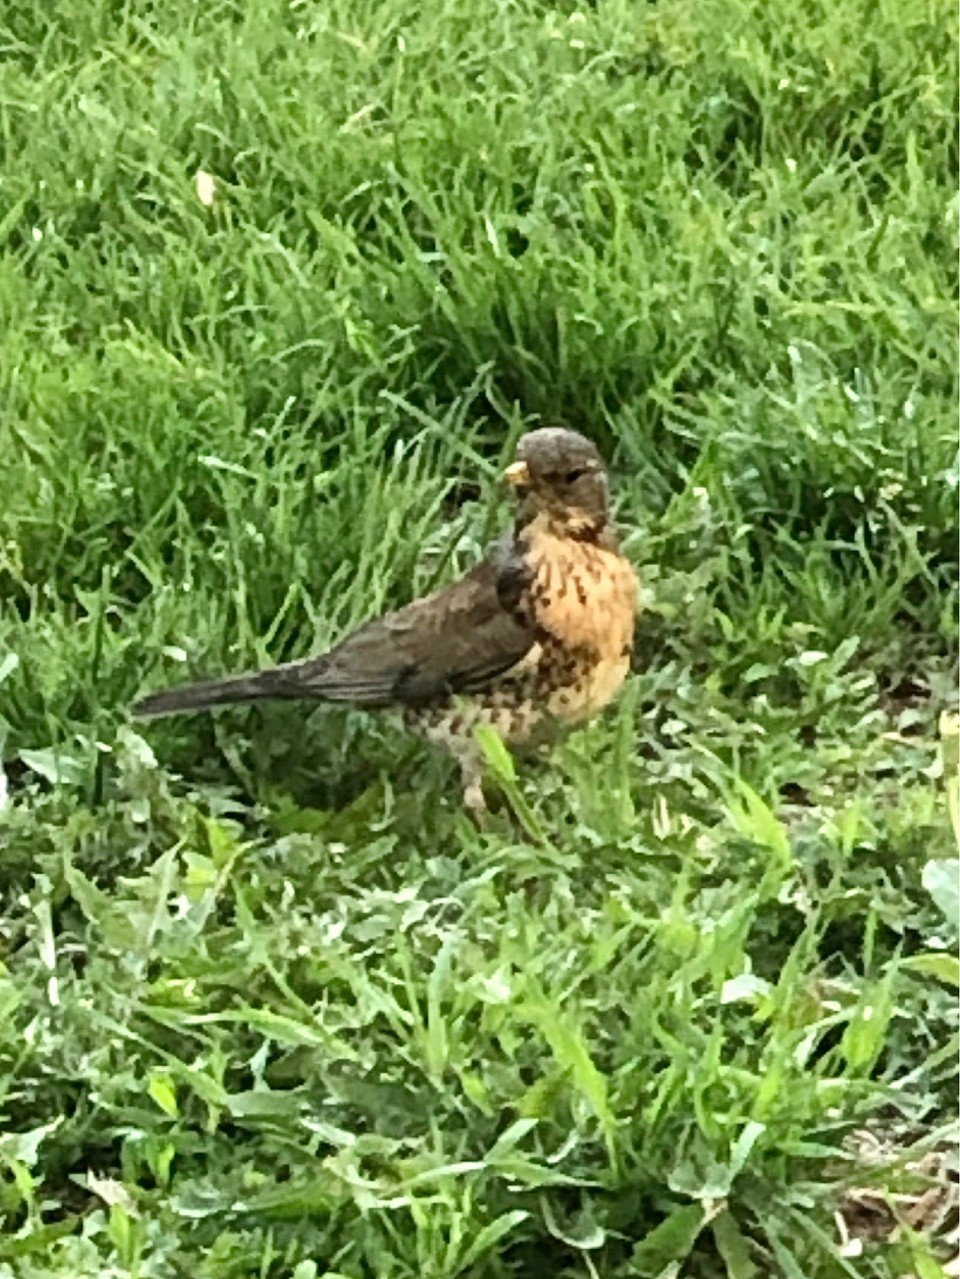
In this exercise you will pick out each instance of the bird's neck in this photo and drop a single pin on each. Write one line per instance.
(572, 526)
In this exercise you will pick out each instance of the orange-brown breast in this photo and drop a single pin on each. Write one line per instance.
(585, 597)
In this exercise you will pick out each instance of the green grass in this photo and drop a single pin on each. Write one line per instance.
(269, 1005)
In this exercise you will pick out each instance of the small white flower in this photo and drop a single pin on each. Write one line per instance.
(112, 1192)
(206, 188)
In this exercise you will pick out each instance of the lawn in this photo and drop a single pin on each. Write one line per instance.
(281, 282)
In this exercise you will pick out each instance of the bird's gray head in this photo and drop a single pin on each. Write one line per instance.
(559, 475)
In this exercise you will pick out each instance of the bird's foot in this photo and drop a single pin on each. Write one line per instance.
(474, 801)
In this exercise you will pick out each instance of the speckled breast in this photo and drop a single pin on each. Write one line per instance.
(583, 598)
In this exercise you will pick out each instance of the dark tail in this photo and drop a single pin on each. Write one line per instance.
(214, 692)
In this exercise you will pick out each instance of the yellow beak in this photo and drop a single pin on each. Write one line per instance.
(517, 475)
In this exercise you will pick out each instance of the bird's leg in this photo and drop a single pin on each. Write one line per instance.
(471, 770)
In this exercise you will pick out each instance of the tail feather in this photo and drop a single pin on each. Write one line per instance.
(209, 693)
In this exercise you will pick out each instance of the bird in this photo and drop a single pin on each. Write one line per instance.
(538, 634)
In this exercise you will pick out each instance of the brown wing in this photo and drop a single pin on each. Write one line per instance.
(459, 639)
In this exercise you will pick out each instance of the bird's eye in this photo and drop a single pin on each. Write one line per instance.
(571, 477)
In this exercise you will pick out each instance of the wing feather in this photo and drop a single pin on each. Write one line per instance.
(461, 638)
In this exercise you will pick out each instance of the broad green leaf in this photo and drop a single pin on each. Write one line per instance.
(865, 1032)
(489, 1236)
(941, 879)
(953, 807)
(672, 1240)
(511, 1138)
(745, 987)
(944, 965)
(570, 1050)
(287, 1030)
(756, 821)
(789, 1264)
(530, 1173)
(437, 983)
(57, 766)
(39, 1239)
(744, 1144)
(540, 1098)
(163, 1091)
(496, 753)
(264, 1103)
(732, 1246)
(23, 1147)
(583, 1232)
